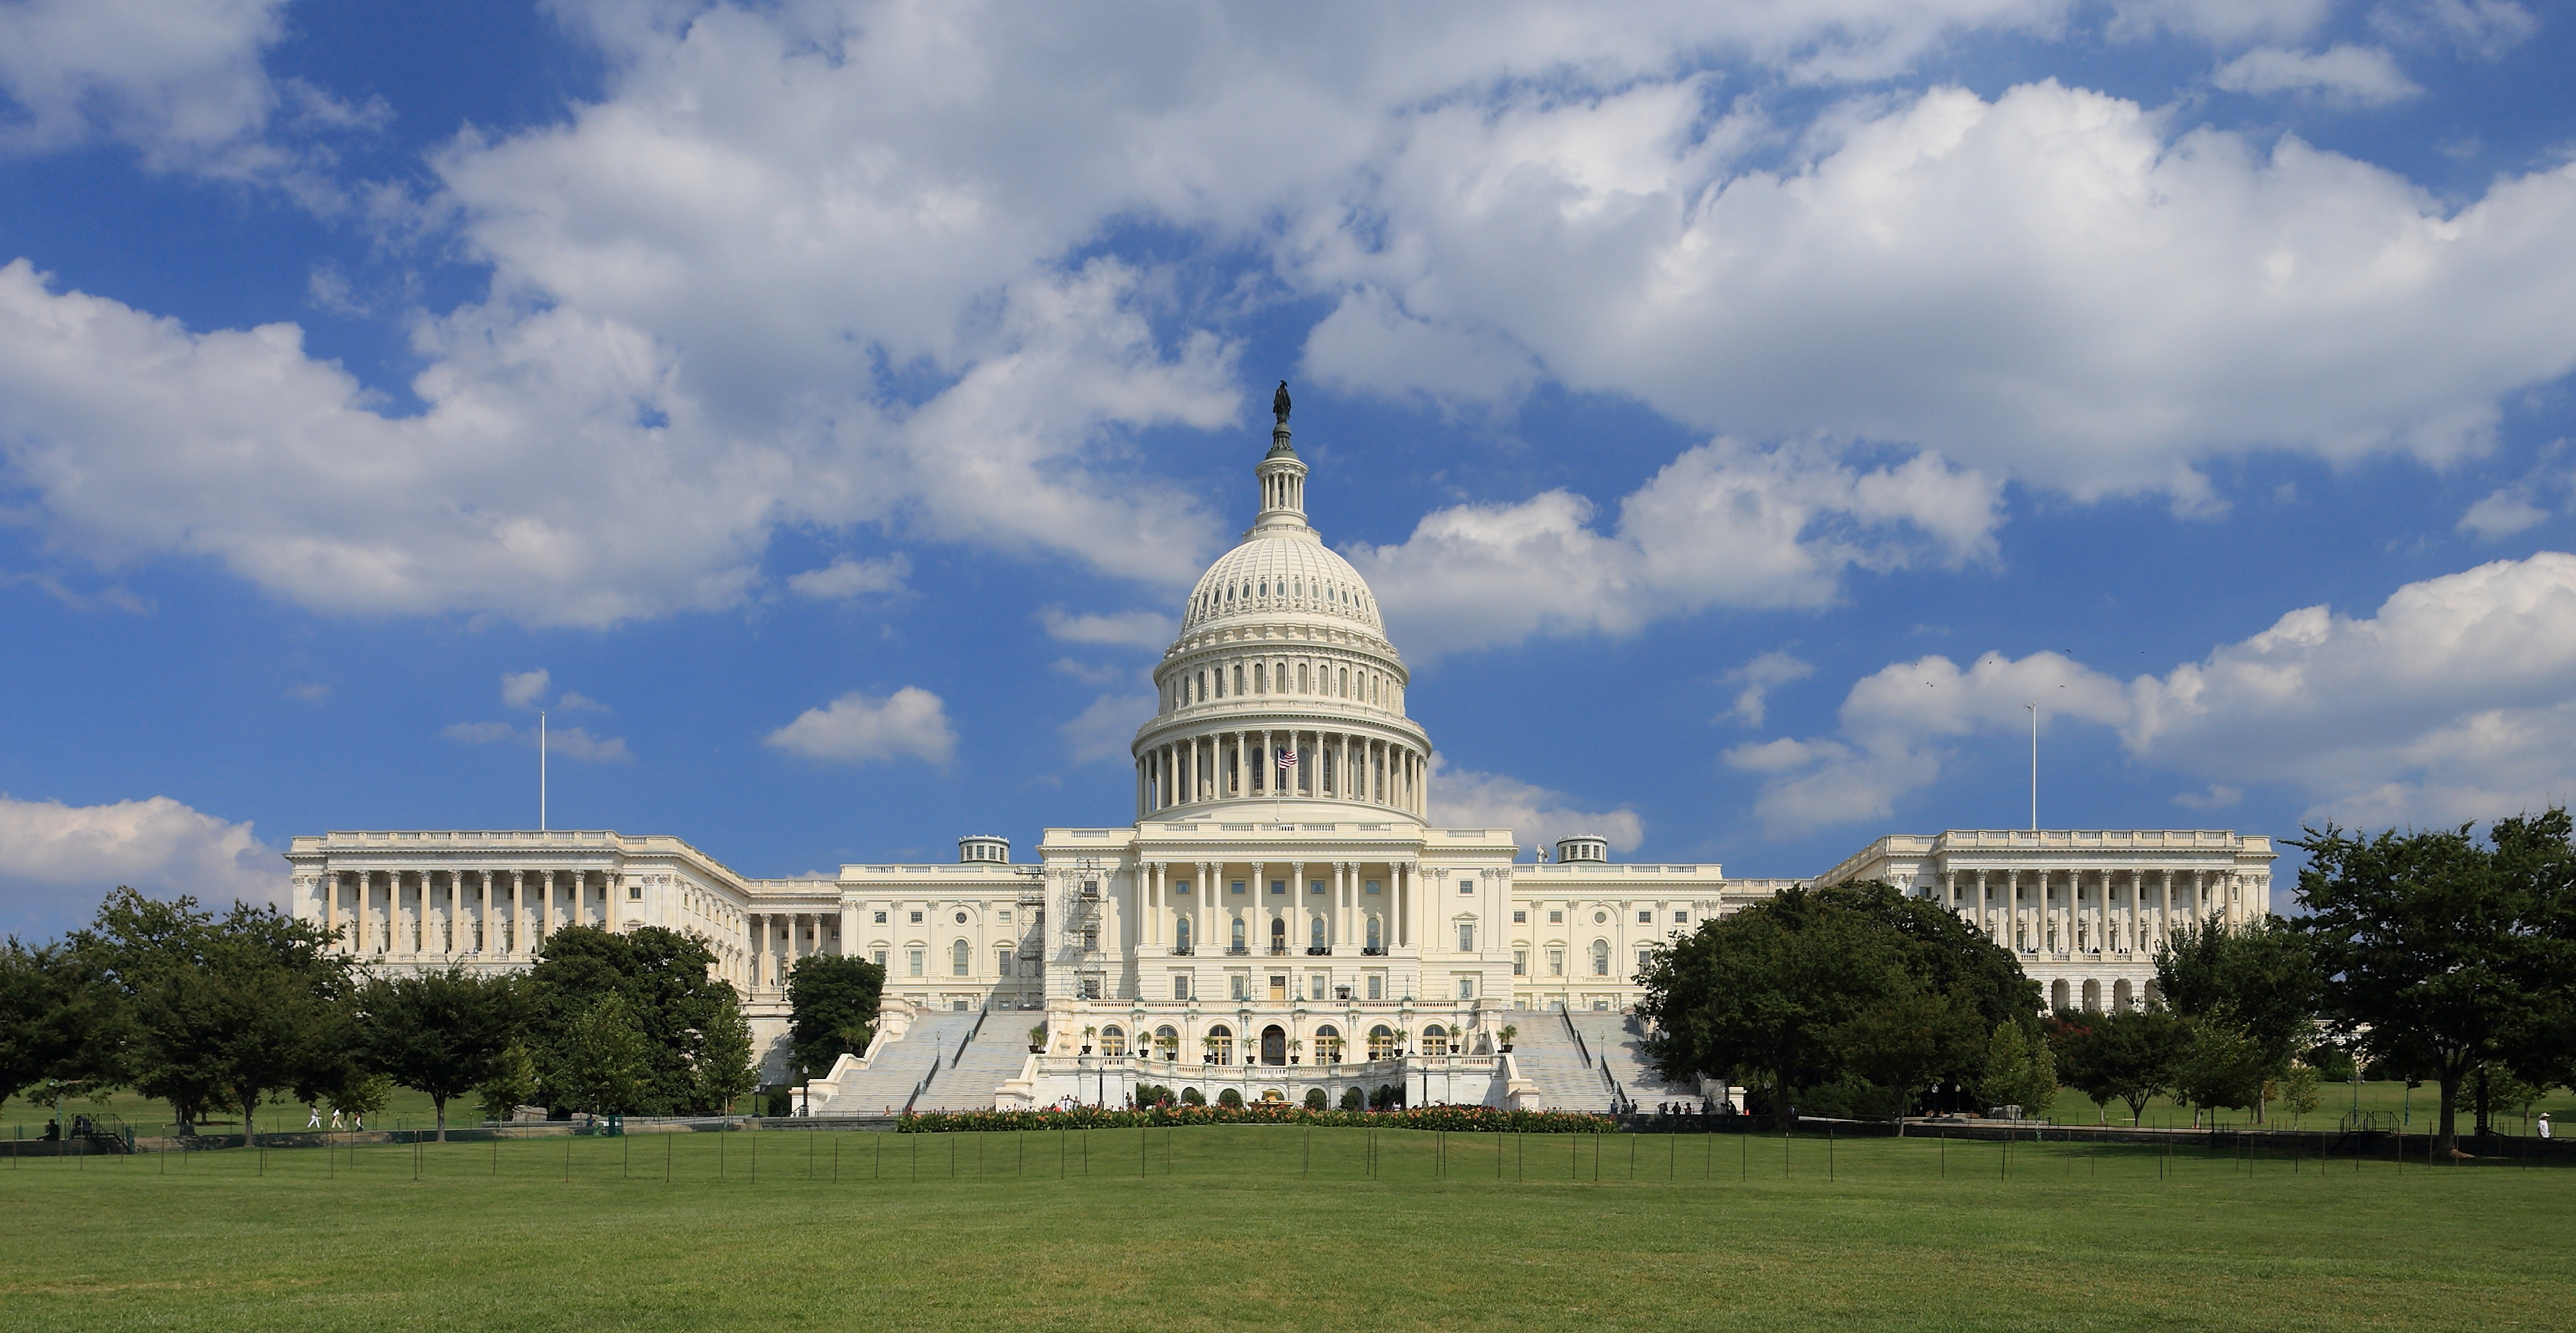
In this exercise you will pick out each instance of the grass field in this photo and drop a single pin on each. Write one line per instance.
(1324, 1229)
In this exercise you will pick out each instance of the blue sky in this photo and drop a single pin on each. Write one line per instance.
(1741, 411)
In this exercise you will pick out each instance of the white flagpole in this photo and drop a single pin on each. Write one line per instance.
(541, 770)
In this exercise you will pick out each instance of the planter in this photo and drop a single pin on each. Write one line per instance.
(1086, 1050)
(1507, 1048)
(1037, 1050)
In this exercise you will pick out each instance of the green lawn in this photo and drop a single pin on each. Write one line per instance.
(1215, 1227)
(2422, 1111)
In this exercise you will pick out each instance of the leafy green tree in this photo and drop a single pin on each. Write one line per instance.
(663, 975)
(2219, 1065)
(438, 1032)
(1781, 995)
(509, 1084)
(2020, 1070)
(2442, 951)
(832, 1007)
(2259, 979)
(605, 1062)
(2301, 1092)
(726, 1067)
(59, 1021)
(362, 1095)
(2128, 1057)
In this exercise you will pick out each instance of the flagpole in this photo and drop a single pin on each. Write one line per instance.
(541, 770)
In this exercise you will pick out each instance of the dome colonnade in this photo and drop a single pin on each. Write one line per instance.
(1281, 653)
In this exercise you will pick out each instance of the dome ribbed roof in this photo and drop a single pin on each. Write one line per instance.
(1288, 570)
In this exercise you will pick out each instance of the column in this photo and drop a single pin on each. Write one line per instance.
(849, 927)
(1401, 873)
(331, 907)
(1296, 910)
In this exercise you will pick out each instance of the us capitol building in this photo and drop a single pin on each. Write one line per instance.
(1285, 916)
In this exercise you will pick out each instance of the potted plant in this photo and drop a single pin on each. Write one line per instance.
(1087, 1033)
(1295, 1044)
(1509, 1031)
(1037, 1040)
(1400, 1035)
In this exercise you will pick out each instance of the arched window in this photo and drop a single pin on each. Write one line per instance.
(1168, 1042)
(1381, 1042)
(1315, 933)
(960, 961)
(1301, 678)
(1181, 935)
(1328, 1045)
(1372, 933)
(1113, 1040)
(1278, 934)
(1435, 1040)
(1220, 1045)
(1238, 934)
(1260, 679)
(1601, 958)
(1238, 680)
(1345, 688)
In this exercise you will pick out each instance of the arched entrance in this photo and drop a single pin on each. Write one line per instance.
(1274, 1045)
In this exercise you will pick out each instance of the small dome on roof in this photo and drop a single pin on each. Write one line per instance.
(1280, 571)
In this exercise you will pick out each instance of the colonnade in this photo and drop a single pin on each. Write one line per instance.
(780, 939)
(1240, 765)
(1187, 909)
(502, 913)
(2067, 911)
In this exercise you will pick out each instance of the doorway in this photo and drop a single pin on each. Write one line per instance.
(1274, 1045)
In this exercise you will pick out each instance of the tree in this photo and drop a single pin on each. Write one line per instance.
(2128, 1056)
(439, 1032)
(2219, 1065)
(832, 1007)
(725, 1068)
(2020, 1070)
(361, 1096)
(605, 1061)
(664, 977)
(509, 1084)
(2300, 1092)
(1781, 995)
(2259, 979)
(2442, 952)
(58, 1019)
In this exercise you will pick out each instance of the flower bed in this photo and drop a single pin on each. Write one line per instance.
(1470, 1119)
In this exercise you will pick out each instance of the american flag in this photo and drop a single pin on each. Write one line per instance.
(1287, 759)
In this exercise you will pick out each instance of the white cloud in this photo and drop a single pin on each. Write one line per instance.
(2219, 797)
(857, 729)
(180, 79)
(2455, 701)
(1463, 798)
(58, 861)
(2482, 28)
(2221, 22)
(1132, 629)
(522, 689)
(1106, 728)
(2344, 73)
(1758, 676)
(560, 742)
(1723, 525)
(845, 578)
(2502, 514)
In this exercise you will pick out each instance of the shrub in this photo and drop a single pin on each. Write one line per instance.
(1192, 1097)
(1229, 1097)
(1461, 1119)
(1316, 1100)
(1351, 1099)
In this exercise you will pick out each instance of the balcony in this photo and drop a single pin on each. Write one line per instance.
(1319, 951)
(1279, 951)
(1237, 951)
(1372, 953)
(1180, 951)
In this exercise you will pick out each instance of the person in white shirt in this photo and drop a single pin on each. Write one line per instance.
(2544, 1124)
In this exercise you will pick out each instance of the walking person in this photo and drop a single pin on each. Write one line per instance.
(313, 1117)
(335, 1118)
(2544, 1124)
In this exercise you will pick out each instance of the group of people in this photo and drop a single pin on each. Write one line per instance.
(82, 1127)
(313, 1119)
(1693, 1108)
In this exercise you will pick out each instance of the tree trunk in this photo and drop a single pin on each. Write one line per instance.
(2449, 1142)
(440, 1104)
(249, 1105)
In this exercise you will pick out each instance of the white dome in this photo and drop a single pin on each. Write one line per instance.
(1282, 571)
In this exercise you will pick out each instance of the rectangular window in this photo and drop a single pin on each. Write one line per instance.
(961, 963)
(1466, 886)
(1315, 986)
(1556, 918)
(1466, 939)
(1377, 988)
(1238, 886)
(1556, 962)
(1372, 886)
(1091, 988)
(1645, 959)
(1181, 987)
(913, 956)
(1314, 887)
(881, 957)
(1466, 988)
(1006, 914)
(1278, 888)
(1180, 888)
(1279, 988)
(1001, 962)
(1520, 962)
(1646, 918)
(916, 918)
(634, 893)
(881, 918)
(1242, 987)
(1520, 918)
(1681, 918)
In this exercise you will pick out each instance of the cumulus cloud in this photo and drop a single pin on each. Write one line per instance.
(522, 689)
(846, 578)
(2220, 22)
(177, 78)
(2503, 513)
(1105, 729)
(1758, 677)
(1723, 525)
(2356, 75)
(1132, 629)
(57, 861)
(2455, 700)
(1464, 798)
(857, 729)
(2485, 29)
